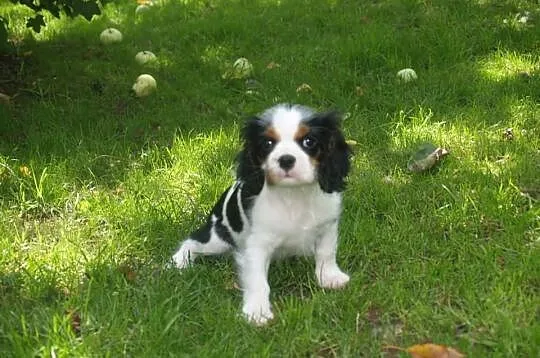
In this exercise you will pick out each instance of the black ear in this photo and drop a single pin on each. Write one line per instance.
(334, 160)
(249, 168)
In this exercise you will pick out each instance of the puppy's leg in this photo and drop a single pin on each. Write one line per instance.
(253, 263)
(329, 275)
(191, 248)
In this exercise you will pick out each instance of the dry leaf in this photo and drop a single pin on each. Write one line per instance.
(232, 285)
(359, 91)
(25, 171)
(426, 157)
(128, 272)
(304, 87)
(365, 19)
(351, 142)
(74, 321)
(428, 350)
(272, 65)
(119, 190)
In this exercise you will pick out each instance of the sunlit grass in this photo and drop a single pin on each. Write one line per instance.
(508, 65)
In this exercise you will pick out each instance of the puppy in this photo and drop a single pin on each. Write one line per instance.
(286, 201)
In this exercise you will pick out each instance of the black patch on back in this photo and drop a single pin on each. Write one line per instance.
(233, 211)
(224, 233)
(203, 234)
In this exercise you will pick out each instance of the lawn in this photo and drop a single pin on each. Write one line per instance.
(97, 187)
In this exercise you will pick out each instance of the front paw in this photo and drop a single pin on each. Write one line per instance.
(257, 313)
(332, 278)
(181, 259)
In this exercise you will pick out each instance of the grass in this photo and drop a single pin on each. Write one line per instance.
(98, 187)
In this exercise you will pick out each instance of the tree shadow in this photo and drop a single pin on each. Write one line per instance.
(195, 41)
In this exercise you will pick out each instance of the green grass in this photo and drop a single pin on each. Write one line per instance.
(98, 187)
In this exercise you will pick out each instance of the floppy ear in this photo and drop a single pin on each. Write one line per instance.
(334, 162)
(249, 168)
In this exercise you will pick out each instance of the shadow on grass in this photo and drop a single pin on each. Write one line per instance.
(82, 112)
(75, 110)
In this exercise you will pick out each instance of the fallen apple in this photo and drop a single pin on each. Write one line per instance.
(145, 57)
(144, 86)
(141, 9)
(407, 75)
(242, 68)
(110, 36)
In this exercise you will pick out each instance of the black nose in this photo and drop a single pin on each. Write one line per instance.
(286, 161)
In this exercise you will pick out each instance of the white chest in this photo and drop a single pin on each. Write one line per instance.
(294, 216)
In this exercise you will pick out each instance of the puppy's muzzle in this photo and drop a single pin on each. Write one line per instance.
(286, 162)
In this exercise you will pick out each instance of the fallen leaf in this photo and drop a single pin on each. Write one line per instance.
(359, 91)
(501, 262)
(426, 157)
(428, 350)
(25, 171)
(232, 285)
(119, 190)
(329, 350)
(365, 19)
(129, 274)
(304, 87)
(74, 321)
(351, 142)
(272, 65)
(373, 315)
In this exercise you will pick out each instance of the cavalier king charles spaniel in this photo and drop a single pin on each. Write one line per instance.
(286, 201)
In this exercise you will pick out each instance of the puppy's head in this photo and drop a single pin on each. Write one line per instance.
(291, 145)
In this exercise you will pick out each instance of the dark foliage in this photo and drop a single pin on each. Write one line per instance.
(72, 8)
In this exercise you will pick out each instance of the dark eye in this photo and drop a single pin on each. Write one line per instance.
(309, 142)
(268, 143)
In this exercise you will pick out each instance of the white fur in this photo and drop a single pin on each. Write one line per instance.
(288, 221)
(292, 216)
